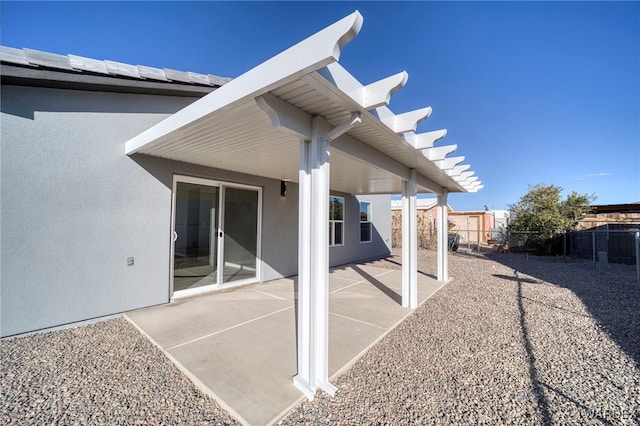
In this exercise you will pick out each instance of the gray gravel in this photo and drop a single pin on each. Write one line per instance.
(510, 340)
(103, 373)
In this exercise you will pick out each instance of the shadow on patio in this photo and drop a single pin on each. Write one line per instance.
(240, 345)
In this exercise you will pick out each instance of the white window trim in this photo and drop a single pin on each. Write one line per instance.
(370, 221)
(332, 222)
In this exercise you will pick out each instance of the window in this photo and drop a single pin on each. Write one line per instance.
(365, 222)
(336, 221)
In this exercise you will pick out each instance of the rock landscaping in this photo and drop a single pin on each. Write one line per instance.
(510, 340)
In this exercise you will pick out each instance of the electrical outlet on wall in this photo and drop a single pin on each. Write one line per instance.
(129, 261)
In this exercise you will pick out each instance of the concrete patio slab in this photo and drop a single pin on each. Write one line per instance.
(352, 337)
(188, 319)
(240, 344)
(284, 289)
(250, 367)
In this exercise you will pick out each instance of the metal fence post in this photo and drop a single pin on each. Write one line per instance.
(564, 243)
(638, 257)
(593, 247)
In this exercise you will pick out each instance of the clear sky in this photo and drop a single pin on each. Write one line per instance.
(545, 92)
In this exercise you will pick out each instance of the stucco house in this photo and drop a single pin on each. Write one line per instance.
(126, 186)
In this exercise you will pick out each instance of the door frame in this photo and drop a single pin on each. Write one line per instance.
(221, 185)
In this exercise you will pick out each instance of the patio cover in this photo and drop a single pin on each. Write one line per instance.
(301, 117)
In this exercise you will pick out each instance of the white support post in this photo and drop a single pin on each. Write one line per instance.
(304, 378)
(313, 260)
(320, 250)
(443, 237)
(315, 134)
(409, 242)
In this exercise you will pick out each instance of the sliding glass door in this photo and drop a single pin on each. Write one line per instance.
(215, 234)
(195, 261)
(240, 232)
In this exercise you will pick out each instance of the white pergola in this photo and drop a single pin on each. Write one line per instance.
(300, 116)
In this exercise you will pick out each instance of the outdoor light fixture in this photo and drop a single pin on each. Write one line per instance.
(283, 188)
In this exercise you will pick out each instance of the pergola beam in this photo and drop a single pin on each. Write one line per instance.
(405, 122)
(439, 153)
(463, 176)
(285, 116)
(363, 152)
(449, 163)
(369, 97)
(291, 119)
(377, 94)
(344, 127)
(424, 140)
(428, 184)
(316, 51)
(457, 170)
(337, 84)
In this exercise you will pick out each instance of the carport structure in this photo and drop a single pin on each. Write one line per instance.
(301, 117)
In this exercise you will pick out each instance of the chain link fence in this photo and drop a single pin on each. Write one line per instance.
(600, 246)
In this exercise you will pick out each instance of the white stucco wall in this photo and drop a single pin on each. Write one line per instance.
(74, 207)
(353, 249)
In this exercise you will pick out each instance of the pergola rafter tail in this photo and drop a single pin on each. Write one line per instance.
(439, 153)
(424, 140)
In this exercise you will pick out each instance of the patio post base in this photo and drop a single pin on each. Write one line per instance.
(328, 388)
(304, 387)
(310, 392)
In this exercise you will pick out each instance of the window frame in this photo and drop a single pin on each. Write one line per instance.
(368, 222)
(333, 222)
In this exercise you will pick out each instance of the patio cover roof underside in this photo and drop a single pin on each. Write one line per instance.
(227, 129)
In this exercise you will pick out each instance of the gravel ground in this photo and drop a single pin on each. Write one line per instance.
(510, 340)
(103, 373)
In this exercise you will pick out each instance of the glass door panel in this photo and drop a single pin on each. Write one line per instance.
(196, 230)
(240, 234)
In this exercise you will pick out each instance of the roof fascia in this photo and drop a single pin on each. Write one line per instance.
(317, 51)
(56, 79)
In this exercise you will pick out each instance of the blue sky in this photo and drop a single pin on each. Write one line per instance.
(545, 92)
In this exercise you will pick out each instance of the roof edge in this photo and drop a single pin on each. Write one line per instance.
(37, 59)
(16, 75)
